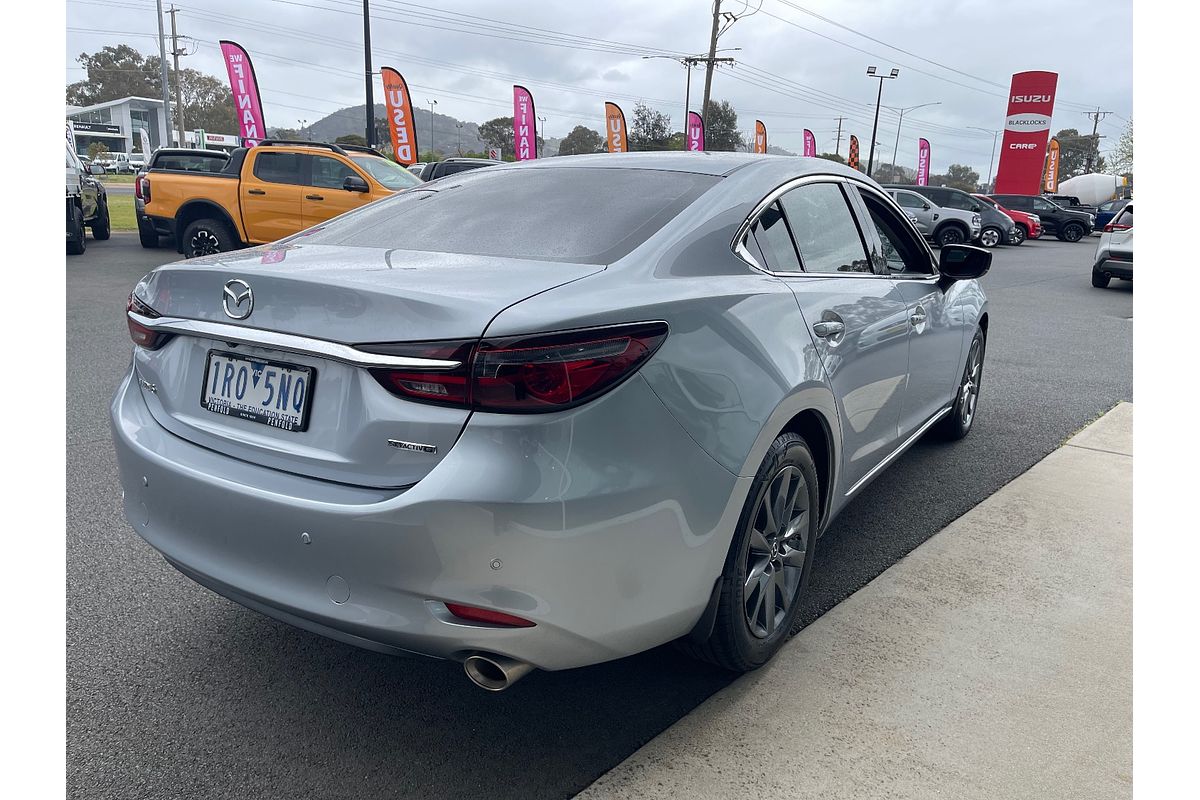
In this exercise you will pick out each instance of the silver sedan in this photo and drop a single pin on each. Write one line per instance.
(550, 414)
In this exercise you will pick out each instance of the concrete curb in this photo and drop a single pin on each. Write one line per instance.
(995, 660)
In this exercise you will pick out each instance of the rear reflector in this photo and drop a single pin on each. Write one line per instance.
(473, 614)
(525, 374)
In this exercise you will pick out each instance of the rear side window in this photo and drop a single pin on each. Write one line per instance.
(280, 167)
(824, 228)
(575, 214)
(771, 233)
(1125, 217)
(959, 200)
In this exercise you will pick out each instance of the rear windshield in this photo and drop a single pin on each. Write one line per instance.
(190, 162)
(576, 214)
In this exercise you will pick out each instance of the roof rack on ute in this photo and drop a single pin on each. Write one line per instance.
(358, 148)
(337, 148)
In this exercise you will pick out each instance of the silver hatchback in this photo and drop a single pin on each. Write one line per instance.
(549, 414)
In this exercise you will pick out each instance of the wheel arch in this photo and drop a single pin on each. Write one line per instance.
(812, 426)
(957, 223)
(199, 209)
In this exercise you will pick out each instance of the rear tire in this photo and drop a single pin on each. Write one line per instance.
(957, 424)
(102, 225)
(77, 247)
(206, 237)
(1100, 280)
(1073, 232)
(769, 561)
(148, 237)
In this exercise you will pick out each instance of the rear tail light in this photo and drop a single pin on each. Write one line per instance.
(524, 374)
(141, 335)
(473, 614)
(1110, 227)
(141, 189)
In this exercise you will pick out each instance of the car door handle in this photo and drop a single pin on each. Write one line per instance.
(313, 197)
(918, 316)
(255, 191)
(829, 329)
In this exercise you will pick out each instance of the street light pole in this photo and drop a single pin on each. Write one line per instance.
(166, 85)
(878, 100)
(991, 160)
(896, 148)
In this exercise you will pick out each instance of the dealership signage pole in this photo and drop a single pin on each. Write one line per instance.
(162, 69)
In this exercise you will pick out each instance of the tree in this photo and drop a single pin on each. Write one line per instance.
(97, 150)
(721, 131)
(1122, 154)
(892, 173)
(580, 140)
(833, 157)
(498, 132)
(1074, 151)
(651, 129)
(958, 176)
(351, 138)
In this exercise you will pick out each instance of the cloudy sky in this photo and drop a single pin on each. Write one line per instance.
(801, 63)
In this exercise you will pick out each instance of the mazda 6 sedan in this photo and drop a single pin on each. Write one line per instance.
(548, 414)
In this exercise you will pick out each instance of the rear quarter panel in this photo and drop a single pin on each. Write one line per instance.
(170, 191)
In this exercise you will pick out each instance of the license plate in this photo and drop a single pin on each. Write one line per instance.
(269, 392)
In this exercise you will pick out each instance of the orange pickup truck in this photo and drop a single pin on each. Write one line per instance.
(265, 193)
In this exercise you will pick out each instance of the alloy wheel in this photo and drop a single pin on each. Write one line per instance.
(204, 243)
(1073, 233)
(969, 391)
(950, 236)
(990, 237)
(778, 545)
(1018, 235)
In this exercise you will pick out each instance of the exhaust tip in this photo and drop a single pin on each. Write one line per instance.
(495, 673)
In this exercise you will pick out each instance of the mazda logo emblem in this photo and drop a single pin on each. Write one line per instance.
(236, 294)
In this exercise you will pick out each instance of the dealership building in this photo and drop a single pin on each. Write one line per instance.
(116, 124)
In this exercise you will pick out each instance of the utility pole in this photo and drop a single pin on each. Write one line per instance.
(712, 54)
(992, 160)
(175, 51)
(837, 148)
(1095, 148)
(433, 103)
(162, 69)
(369, 73)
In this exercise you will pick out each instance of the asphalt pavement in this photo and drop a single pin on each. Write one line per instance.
(175, 692)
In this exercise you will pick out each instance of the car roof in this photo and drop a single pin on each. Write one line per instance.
(715, 163)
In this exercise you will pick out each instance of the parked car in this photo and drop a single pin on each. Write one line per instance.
(266, 193)
(114, 162)
(405, 435)
(170, 159)
(995, 228)
(1114, 253)
(418, 168)
(942, 226)
(1071, 202)
(453, 166)
(1066, 225)
(137, 162)
(87, 204)
(1107, 210)
(1026, 226)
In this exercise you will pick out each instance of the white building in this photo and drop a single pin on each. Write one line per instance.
(116, 124)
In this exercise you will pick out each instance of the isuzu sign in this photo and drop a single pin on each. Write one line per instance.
(1026, 129)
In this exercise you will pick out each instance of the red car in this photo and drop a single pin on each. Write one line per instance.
(1028, 225)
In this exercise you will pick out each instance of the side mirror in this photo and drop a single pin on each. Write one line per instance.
(976, 208)
(353, 183)
(964, 262)
(925, 206)
(96, 169)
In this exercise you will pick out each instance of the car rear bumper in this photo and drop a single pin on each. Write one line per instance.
(1118, 268)
(605, 525)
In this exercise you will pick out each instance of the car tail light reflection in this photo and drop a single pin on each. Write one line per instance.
(141, 335)
(473, 614)
(524, 374)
